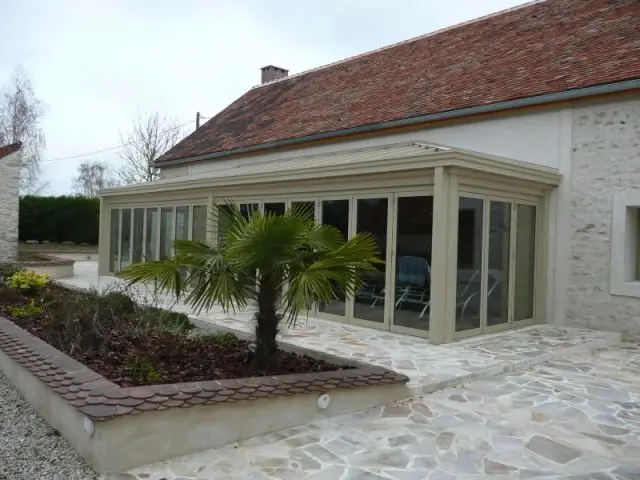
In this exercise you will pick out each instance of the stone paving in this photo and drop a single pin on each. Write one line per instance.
(572, 418)
(430, 367)
(517, 417)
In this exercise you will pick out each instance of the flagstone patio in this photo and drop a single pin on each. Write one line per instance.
(572, 418)
(539, 402)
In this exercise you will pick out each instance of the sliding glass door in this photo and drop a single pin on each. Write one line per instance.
(336, 213)
(496, 264)
(146, 234)
(369, 302)
(412, 237)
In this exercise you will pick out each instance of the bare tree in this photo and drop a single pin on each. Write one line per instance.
(20, 115)
(150, 136)
(93, 177)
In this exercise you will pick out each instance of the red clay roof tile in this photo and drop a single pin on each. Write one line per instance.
(540, 48)
(9, 149)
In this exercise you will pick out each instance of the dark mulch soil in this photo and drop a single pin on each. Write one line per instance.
(161, 356)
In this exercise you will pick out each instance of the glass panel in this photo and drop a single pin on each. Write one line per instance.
(372, 218)
(308, 208)
(525, 262)
(152, 234)
(199, 232)
(223, 222)
(336, 213)
(468, 277)
(166, 231)
(125, 257)
(138, 230)
(276, 208)
(498, 264)
(247, 208)
(182, 223)
(413, 262)
(114, 239)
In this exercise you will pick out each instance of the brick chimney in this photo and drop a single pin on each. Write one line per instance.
(271, 72)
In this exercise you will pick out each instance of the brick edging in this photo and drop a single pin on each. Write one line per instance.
(100, 399)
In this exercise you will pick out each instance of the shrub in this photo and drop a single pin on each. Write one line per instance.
(142, 371)
(27, 282)
(225, 339)
(7, 270)
(166, 320)
(119, 302)
(59, 219)
(29, 310)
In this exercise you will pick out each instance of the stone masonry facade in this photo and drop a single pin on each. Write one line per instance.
(9, 198)
(605, 160)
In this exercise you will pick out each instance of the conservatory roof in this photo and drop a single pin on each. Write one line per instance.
(388, 158)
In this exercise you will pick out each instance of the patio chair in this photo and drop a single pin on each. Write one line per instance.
(414, 273)
(465, 298)
(367, 292)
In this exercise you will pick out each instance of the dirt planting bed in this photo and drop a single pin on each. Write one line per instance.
(132, 345)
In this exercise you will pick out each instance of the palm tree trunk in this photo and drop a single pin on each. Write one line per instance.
(267, 320)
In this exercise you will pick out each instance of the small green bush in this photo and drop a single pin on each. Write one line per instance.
(7, 270)
(119, 302)
(29, 310)
(225, 339)
(27, 282)
(167, 321)
(142, 371)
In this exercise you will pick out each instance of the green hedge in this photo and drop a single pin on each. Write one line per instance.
(59, 219)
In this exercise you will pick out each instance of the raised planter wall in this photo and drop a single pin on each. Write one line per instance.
(55, 267)
(115, 428)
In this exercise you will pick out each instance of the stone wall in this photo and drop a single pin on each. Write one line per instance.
(605, 160)
(9, 170)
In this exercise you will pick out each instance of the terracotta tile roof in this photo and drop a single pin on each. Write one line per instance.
(540, 48)
(9, 149)
(100, 399)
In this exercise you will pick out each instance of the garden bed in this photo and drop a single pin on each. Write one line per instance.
(136, 345)
(108, 374)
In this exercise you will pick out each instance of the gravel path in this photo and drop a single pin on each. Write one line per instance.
(29, 448)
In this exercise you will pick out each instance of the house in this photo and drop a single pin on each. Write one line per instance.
(9, 198)
(497, 162)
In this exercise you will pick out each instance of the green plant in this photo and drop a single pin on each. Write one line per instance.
(225, 339)
(28, 282)
(29, 310)
(294, 261)
(143, 371)
(118, 301)
(7, 270)
(56, 219)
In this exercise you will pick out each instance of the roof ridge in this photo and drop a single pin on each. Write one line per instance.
(401, 42)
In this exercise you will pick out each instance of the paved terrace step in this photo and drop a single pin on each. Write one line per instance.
(430, 367)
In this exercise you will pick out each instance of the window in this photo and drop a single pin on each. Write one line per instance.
(625, 245)
(166, 231)
(114, 240)
(138, 230)
(199, 227)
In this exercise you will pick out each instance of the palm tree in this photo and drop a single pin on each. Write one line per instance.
(284, 264)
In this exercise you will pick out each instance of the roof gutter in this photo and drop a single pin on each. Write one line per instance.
(567, 95)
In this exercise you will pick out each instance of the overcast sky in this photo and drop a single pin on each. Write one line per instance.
(97, 63)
